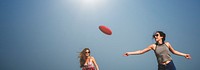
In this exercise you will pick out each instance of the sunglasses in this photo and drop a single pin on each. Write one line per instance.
(87, 52)
(156, 35)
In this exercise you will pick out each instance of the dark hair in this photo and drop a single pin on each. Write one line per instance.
(83, 57)
(162, 34)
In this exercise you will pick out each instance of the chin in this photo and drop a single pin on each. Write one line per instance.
(157, 40)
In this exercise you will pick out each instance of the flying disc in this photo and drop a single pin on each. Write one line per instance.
(105, 30)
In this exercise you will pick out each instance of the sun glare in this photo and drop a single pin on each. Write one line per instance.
(87, 5)
(91, 2)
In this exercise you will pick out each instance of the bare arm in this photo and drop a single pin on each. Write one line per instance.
(177, 52)
(139, 51)
(94, 61)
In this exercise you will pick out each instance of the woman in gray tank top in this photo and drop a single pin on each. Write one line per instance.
(162, 51)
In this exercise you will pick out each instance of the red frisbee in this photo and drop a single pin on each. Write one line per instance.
(105, 30)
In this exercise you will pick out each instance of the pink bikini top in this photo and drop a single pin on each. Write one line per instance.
(90, 64)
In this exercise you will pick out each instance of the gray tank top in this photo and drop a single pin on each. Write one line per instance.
(162, 53)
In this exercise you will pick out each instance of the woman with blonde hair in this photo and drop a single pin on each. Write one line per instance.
(87, 62)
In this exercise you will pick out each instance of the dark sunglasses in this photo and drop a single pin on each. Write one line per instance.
(87, 52)
(156, 35)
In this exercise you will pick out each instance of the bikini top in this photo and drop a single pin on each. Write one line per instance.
(89, 64)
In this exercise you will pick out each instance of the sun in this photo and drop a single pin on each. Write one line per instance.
(92, 2)
(87, 5)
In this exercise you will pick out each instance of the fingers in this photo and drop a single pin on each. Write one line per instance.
(188, 56)
(125, 54)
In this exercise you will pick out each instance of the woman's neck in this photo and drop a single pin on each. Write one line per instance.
(159, 42)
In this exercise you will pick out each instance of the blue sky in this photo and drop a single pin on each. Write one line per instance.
(48, 34)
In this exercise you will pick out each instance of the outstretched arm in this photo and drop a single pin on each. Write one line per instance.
(177, 52)
(139, 51)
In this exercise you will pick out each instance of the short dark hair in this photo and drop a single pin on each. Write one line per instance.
(162, 34)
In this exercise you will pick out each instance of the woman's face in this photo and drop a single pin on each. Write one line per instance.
(87, 53)
(157, 37)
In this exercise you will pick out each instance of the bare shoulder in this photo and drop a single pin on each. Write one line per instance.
(152, 46)
(91, 57)
(168, 44)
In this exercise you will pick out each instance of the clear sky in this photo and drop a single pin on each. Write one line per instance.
(49, 34)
